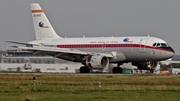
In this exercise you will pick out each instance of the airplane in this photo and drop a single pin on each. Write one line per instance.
(95, 52)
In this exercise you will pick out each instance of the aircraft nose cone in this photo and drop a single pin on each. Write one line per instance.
(172, 52)
(171, 49)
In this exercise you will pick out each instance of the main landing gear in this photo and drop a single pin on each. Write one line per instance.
(117, 69)
(84, 69)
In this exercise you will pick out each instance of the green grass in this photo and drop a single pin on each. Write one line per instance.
(72, 87)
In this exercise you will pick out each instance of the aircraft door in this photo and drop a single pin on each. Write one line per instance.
(143, 42)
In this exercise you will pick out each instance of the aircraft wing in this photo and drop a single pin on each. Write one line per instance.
(60, 51)
(21, 43)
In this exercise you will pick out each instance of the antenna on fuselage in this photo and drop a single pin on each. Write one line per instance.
(148, 35)
(84, 36)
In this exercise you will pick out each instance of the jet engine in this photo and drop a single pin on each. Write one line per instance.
(145, 65)
(97, 61)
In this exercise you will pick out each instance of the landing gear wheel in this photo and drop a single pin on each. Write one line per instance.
(84, 70)
(117, 70)
(81, 70)
(152, 71)
(114, 70)
(120, 70)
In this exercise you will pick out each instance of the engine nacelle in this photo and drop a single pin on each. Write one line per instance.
(145, 65)
(97, 61)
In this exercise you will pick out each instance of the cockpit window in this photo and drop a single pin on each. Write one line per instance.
(158, 44)
(154, 44)
(164, 45)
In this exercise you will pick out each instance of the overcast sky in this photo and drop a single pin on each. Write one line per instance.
(75, 18)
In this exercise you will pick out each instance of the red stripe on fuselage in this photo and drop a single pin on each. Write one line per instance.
(109, 46)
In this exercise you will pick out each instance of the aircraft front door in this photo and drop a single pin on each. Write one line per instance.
(143, 42)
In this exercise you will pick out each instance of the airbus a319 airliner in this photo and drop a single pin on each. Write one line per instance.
(95, 52)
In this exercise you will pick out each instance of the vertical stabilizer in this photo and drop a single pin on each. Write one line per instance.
(42, 26)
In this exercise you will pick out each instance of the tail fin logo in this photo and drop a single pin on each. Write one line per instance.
(127, 40)
(41, 24)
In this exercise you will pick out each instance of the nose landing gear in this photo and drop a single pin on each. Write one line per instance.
(151, 70)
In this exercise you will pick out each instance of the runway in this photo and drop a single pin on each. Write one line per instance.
(90, 74)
